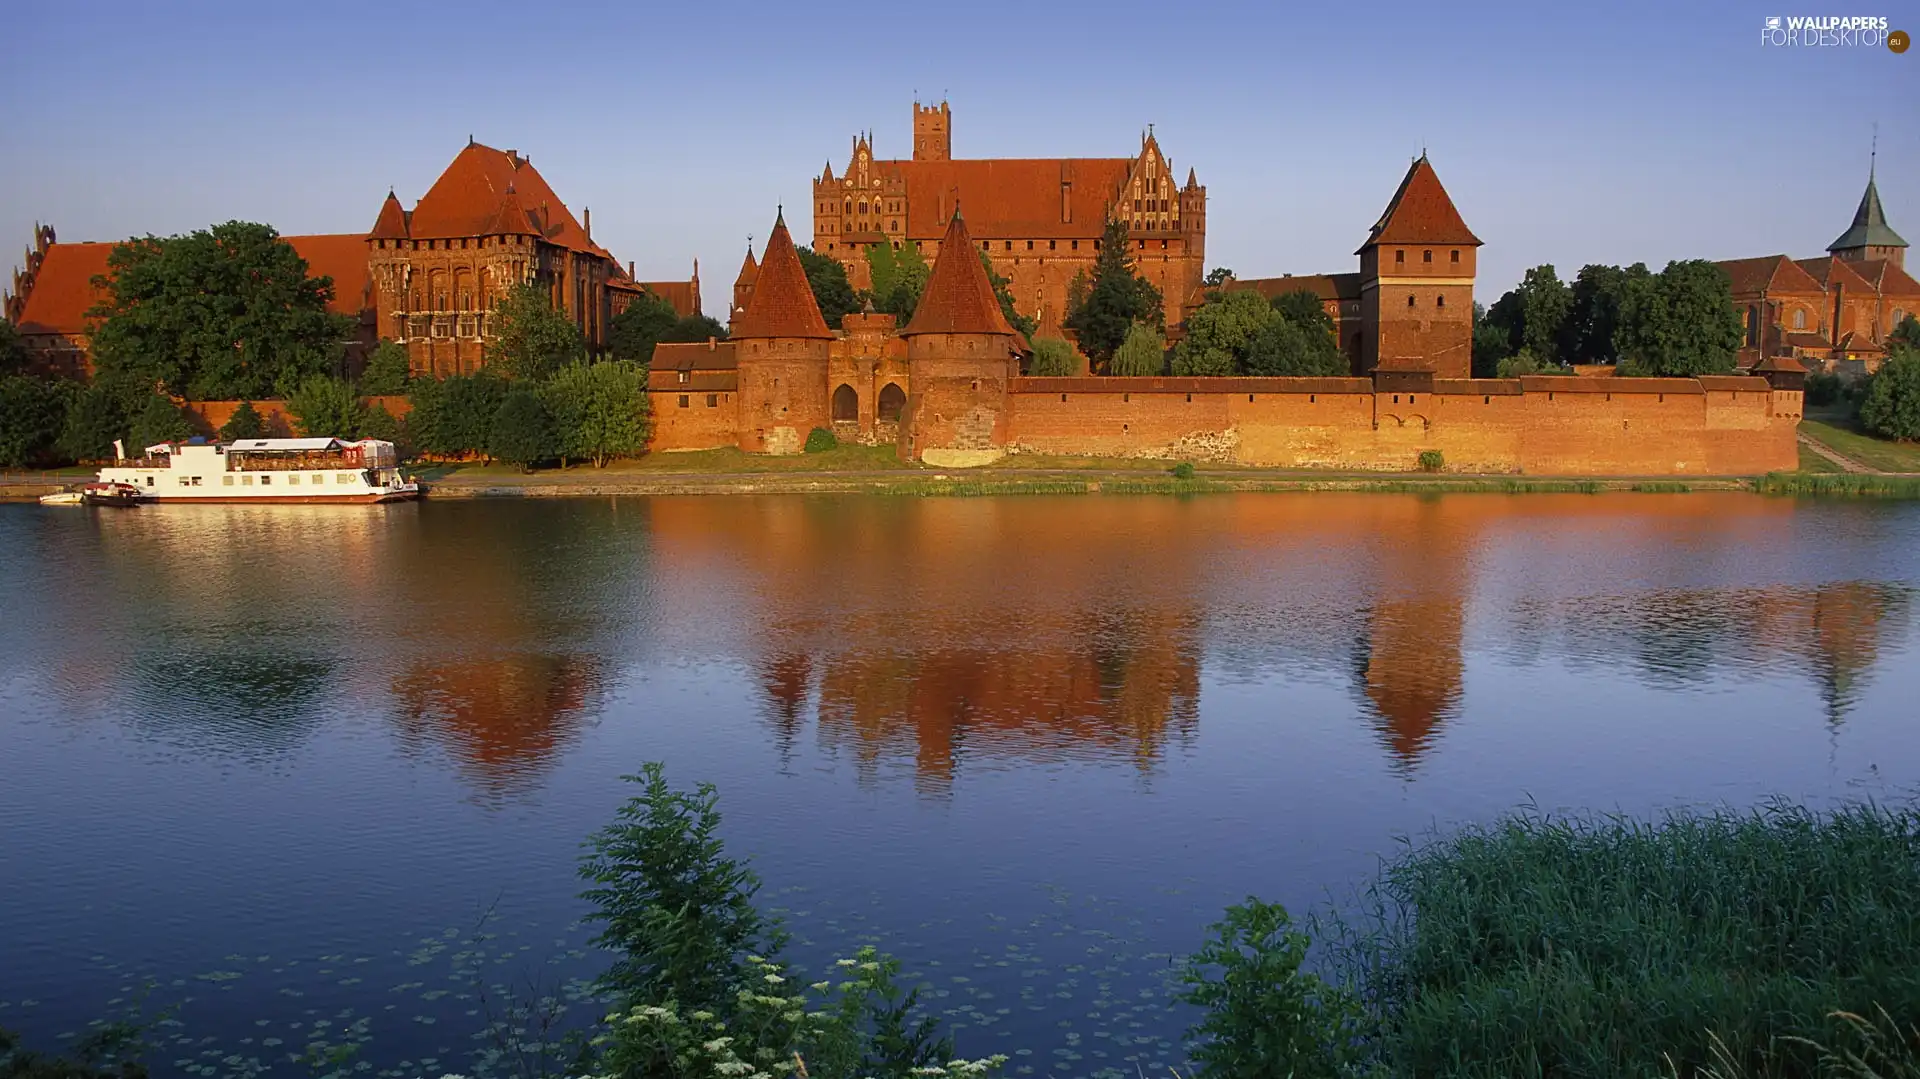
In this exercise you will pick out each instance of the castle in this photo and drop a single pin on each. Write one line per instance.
(1040, 220)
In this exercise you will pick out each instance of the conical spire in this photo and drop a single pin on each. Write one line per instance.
(958, 297)
(392, 222)
(782, 304)
(1870, 228)
(1421, 212)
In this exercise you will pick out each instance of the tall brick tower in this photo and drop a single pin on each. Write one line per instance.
(932, 133)
(782, 354)
(961, 355)
(1416, 282)
(1870, 237)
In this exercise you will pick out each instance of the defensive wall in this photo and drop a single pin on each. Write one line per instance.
(1537, 425)
(207, 417)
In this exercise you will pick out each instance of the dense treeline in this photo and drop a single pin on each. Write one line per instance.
(1679, 322)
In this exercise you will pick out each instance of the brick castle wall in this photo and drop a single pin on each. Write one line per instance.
(693, 420)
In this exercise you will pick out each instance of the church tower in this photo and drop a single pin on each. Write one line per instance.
(932, 133)
(781, 347)
(1870, 238)
(1416, 282)
(961, 357)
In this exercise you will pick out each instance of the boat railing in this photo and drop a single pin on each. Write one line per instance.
(247, 462)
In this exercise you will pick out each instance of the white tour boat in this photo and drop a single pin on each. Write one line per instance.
(266, 470)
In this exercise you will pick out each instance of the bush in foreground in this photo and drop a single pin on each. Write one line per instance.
(1892, 405)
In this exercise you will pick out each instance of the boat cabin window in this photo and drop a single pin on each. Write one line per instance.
(265, 480)
(149, 481)
(227, 480)
(196, 481)
(343, 477)
(294, 479)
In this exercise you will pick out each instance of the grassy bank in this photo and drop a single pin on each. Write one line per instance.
(1610, 947)
(1842, 435)
(1839, 484)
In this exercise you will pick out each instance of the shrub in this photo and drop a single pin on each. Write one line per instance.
(159, 420)
(1823, 388)
(326, 407)
(1891, 408)
(244, 423)
(1432, 461)
(523, 431)
(33, 412)
(1053, 357)
(387, 372)
(1264, 1016)
(820, 440)
(1142, 353)
(97, 417)
(1183, 470)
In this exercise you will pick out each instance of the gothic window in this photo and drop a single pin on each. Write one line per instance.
(863, 207)
(1136, 206)
(893, 226)
(1799, 319)
(1426, 256)
(849, 205)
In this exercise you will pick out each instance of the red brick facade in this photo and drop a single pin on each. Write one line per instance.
(1039, 219)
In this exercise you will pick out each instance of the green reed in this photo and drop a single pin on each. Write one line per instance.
(1612, 947)
(1854, 484)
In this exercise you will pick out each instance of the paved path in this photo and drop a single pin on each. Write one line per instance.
(1846, 464)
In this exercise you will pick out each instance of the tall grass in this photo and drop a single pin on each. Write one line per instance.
(1853, 484)
(1542, 946)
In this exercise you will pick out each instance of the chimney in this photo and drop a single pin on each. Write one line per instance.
(586, 221)
(630, 268)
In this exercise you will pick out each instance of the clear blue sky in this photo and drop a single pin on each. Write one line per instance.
(1566, 133)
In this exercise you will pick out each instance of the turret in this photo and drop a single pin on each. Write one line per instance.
(961, 358)
(1416, 283)
(782, 353)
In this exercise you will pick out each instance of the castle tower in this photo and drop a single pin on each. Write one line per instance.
(743, 284)
(961, 356)
(782, 352)
(1870, 238)
(1416, 282)
(932, 133)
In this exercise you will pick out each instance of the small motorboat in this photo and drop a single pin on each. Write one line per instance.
(103, 493)
(69, 497)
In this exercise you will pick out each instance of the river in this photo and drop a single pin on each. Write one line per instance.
(281, 762)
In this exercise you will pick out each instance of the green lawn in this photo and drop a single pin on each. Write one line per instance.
(1813, 462)
(1878, 453)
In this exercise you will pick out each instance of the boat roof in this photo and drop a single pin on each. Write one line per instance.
(285, 444)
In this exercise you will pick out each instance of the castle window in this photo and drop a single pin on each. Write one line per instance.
(863, 207)
(1143, 243)
(893, 226)
(683, 400)
(683, 376)
(1136, 206)
(1426, 256)
(1163, 245)
(1456, 256)
(1399, 256)
(1409, 301)
(1075, 244)
(1052, 244)
(1009, 244)
(713, 400)
(1439, 301)
(1799, 319)
(1029, 245)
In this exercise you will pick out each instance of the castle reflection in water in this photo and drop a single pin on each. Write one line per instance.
(934, 635)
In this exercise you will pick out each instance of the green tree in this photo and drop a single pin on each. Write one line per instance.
(523, 431)
(326, 407)
(1003, 293)
(388, 371)
(1052, 358)
(531, 339)
(677, 914)
(467, 409)
(1892, 405)
(228, 312)
(159, 420)
(695, 328)
(377, 422)
(1905, 335)
(1304, 309)
(1220, 332)
(1263, 1016)
(1283, 347)
(1678, 323)
(1593, 314)
(600, 411)
(899, 277)
(1217, 276)
(1491, 343)
(1142, 353)
(831, 290)
(1544, 304)
(1116, 298)
(33, 412)
(13, 351)
(98, 417)
(244, 423)
(632, 333)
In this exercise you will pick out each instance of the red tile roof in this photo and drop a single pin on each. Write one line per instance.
(782, 303)
(487, 192)
(682, 295)
(1420, 213)
(392, 222)
(1770, 274)
(695, 356)
(1829, 270)
(749, 270)
(1336, 286)
(1010, 197)
(958, 297)
(1889, 279)
(63, 288)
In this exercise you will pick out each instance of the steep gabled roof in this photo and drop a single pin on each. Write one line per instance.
(1333, 286)
(749, 270)
(958, 297)
(392, 222)
(682, 296)
(782, 303)
(1831, 270)
(1770, 274)
(1889, 280)
(1420, 212)
(1869, 227)
(485, 191)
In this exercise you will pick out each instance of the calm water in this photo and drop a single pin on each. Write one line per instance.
(264, 755)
